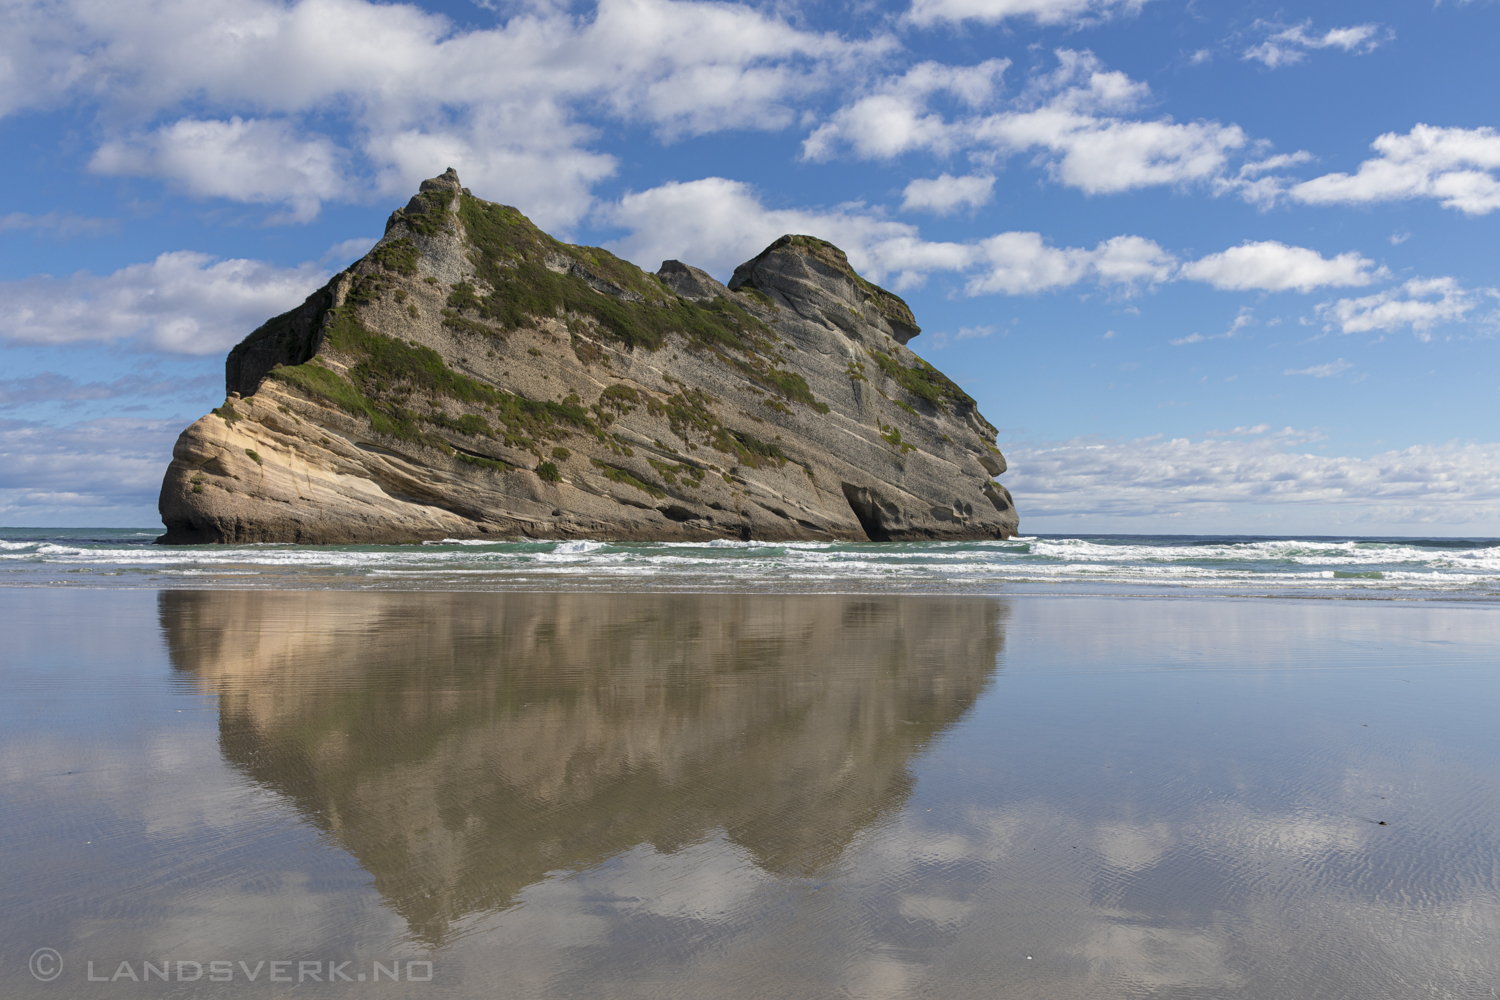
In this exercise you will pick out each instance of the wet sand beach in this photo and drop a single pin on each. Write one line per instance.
(746, 795)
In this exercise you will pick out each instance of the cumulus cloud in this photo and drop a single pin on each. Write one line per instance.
(1286, 46)
(182, 302)
(1276, 267)
(1455, 166)
(946, 194)
(722, 223)
(294, 104)
(252, 161)
(1419, 305)
(1154, 476)
(1022, 263)
(929, 12)
(719, 223)
(1072, 120)
(895, 118)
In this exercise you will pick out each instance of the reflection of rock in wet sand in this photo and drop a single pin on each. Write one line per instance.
(461, 746)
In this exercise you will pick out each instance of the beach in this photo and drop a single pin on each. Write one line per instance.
(575, 790)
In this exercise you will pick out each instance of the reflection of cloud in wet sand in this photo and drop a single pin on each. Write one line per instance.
(1222, 900)
(462, 746)
(644, 796)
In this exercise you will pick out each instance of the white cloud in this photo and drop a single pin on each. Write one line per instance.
(1071, 119)
(928, 12)
(1290, 45)
(1453, 165)
(945, 193)
(1276, 267)
(895, 119)
(298, 103)
(1419, 304)
(110, 463)
(720, 223)
(182, 302)
(1023, 264)
(1322, 371)
(1270, 163)
(248, 161)
(1152, 476)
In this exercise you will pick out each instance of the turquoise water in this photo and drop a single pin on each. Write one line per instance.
(1422, 568)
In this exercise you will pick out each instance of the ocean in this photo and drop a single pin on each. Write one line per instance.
(1347, 567)
(1051, 768)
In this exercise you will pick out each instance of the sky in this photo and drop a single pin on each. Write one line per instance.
(1210, 267)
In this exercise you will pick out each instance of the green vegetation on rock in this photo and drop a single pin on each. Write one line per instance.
(924, 381)
(788, 384)
(691, 475)
(892, 436)
(749, 450)
(619, 398)
(366, 289)
(433, 218)
(386, 373)
(493, 464)
(514, 261)
(399, 255)
(621, 476)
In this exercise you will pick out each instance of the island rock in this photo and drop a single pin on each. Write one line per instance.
(471, 376)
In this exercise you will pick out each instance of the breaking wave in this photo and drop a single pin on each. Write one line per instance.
(1163, 564)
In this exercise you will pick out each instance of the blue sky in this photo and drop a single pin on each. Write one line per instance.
(1211, 267)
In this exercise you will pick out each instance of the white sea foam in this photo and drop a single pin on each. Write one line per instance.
(1160, 564)
(570, 548)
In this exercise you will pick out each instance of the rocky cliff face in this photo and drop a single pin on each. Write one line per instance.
(472, 376)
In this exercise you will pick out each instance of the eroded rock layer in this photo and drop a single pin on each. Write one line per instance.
(472, 376)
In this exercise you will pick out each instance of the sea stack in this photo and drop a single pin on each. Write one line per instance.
(473, 377)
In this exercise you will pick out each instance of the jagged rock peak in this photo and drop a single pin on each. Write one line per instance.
(446, 181)
(795, 265)
(474, 376)
(691, 282)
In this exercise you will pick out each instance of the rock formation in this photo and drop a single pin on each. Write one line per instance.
(472, 376)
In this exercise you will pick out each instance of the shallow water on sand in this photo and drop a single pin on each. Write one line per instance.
(700, 795)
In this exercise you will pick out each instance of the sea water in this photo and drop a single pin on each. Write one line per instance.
(1451, 568)
(554, 770)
